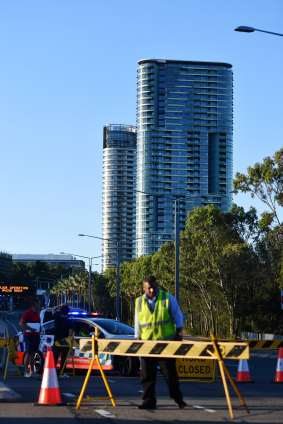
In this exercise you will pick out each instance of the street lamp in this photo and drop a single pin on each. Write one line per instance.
(251, 29)
(89, 264)
(118, 269)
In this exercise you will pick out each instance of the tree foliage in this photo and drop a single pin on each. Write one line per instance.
(230, 271)
(265, 181)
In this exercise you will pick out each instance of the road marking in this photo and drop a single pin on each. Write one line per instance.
(203, 408)
(69, 395)
(111, 381)
(104, 413)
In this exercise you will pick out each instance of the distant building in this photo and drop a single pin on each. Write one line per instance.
(119, 196)
(184, 144)
(5, 267)
(67, 261)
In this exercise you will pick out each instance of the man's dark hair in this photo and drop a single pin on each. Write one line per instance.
(34, 301)
(65, 310)
(150, 279)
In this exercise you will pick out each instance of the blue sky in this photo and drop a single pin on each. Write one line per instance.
(69, 67)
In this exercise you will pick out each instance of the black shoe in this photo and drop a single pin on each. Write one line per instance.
(181, 404)
(147, 406)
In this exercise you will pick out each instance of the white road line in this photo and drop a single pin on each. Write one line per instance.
(104, 413)
(111, 381)
(203, 408)
(69, 395)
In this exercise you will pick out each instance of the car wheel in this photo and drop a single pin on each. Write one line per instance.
(38, 362)
(128, 366)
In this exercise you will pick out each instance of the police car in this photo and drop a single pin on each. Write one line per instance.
(84, 326)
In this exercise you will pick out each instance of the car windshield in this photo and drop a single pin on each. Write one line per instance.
(114, 327)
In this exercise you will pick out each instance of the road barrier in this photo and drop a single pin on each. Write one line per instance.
(10, 345)
(258, 344)
(195, 369)
(70, 343)
(158, 348)
(170, 349)
(94, 353)
(264, 344)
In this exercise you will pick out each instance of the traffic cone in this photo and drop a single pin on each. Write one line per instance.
(243, 374)
(49, 392)
(279, 368)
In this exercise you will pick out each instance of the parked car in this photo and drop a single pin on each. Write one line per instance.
(107, 328)
(46, 314)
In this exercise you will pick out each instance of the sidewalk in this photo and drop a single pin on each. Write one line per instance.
(25, 413)
(8, 395)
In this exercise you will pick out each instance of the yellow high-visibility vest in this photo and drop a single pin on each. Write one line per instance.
(158, 325)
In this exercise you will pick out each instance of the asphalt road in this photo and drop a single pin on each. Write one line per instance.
(206, 401)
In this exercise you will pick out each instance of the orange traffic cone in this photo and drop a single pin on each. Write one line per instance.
(243, 374)
(279, 368)
(49, 392)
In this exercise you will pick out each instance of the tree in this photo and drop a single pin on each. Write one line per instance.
(217, 266)
(20, 274)
(265, 181)
(101, 301)
(163, 266)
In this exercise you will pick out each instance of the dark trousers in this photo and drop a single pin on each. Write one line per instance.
(148, 378)
(57, 351)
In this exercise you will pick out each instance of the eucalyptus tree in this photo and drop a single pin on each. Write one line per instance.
(216, 267)
(265, 181)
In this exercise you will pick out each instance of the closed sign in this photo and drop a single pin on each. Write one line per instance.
(195, 368)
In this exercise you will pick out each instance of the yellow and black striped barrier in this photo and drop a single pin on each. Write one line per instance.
(68, 342)
(264, 344)
(168, 349)
(12, 355)
(257, 344)
(3, 342)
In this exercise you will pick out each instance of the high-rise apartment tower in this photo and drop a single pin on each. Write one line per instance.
(184, 144)
(119, 196)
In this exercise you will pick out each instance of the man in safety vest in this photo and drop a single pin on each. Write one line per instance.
(158, 317)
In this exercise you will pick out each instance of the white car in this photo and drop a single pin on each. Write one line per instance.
(107, 328)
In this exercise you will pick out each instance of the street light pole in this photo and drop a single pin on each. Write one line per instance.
(89, 267)
(177, 247)
(251, 29)
(118, 283)
(118, 270)
(89, 286)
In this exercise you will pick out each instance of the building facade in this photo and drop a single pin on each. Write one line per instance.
(184, 144)
(67, 261)
(119, 196)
